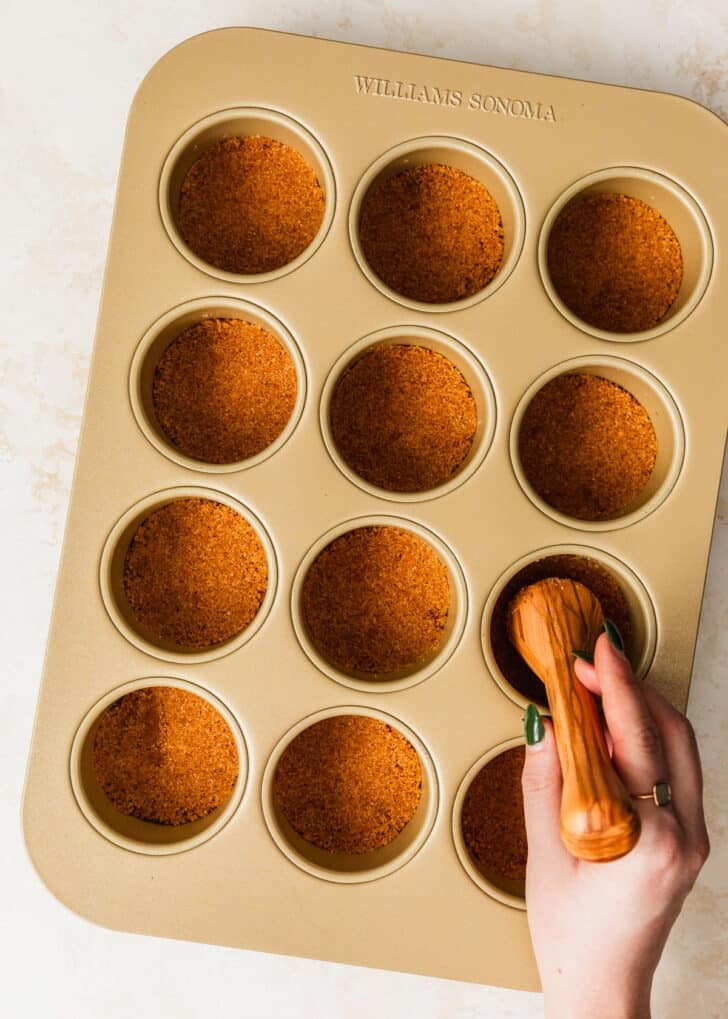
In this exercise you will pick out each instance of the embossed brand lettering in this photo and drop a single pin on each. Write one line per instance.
(407, 90)
(436, 95)
(508, 107)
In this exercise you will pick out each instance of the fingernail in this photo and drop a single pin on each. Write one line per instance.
(614, 636)
(584, 656)
(533, 725)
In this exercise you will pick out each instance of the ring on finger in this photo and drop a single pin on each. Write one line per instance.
(660, 794)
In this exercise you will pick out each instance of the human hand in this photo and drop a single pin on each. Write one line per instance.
(598, 929)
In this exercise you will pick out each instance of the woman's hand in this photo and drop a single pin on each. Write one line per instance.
(598, 929)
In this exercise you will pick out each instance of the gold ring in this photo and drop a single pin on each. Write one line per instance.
(661, 794)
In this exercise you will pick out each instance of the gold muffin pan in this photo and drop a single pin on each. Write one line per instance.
(242, 877)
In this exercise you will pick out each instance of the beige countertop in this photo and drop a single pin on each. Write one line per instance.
(70, 71)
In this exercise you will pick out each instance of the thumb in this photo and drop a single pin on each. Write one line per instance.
(541, 782)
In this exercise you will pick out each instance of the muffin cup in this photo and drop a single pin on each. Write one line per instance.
(403, 678)
(111, 578)
(240, 122)
(684, 216)
(164, 332)
(475, 162)
(664, 415)
(474, 374)
(509, 891)
(352, 868)
(639, 602)
(130, 832)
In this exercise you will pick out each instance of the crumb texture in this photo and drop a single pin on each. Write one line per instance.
(224, 390)
(376, 600)
(432, 233)
(349, 784)
(403, 418)
(615, 262)
(195, 573)
(165, 755)
(587, 446)
(493, 822)
(250, 205)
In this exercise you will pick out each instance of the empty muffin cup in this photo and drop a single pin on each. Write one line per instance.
(408, 413)
(188, 575)
(621, 594)
(625, 254)
(436, 224)
(488, 824)
(217, 385)
(597, 443)
(350, 794)
(158, 766)
(247, 194)
(379, 603)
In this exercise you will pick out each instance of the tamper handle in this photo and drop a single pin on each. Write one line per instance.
(546, 622)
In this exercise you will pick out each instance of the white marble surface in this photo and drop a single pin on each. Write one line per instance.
(69, 71)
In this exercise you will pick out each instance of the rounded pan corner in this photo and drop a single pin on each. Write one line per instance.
(42, 867)
(694, 108)
(170, 55)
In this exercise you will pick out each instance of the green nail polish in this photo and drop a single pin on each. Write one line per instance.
(584, 656)
(533, 724)
(613, 635)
